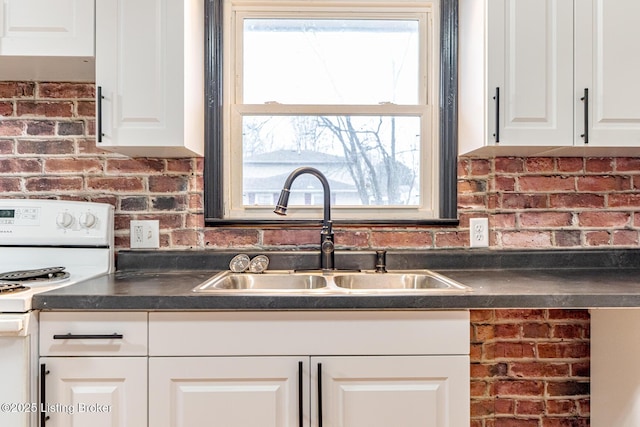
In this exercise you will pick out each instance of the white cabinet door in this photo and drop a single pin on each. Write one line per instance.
(149, 70)
(359, 391)
(544, 56)
(383, 391)
(530, 72)
(228, 391)
(95, 391)
(515, 76)
(47, 27)
(607, 64)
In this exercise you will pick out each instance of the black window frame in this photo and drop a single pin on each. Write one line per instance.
(448, 138)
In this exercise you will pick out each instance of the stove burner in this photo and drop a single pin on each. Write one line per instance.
(7, 287)
(35, 275)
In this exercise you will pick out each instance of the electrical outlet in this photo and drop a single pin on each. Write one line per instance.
(479, 232)
(144, 234)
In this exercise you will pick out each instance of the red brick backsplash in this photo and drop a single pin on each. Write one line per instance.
(554, 202)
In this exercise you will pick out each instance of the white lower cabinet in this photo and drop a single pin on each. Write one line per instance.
(382, 391)
(350, 391)
(226, 391)
(262, 369)
(93, 369)
(94, 391)
(309, 369)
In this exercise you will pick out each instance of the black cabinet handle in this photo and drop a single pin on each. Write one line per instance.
(585, 101)
(319, 394)
(88, 337)
(99, 99)
(43, 396)
(497, 98)
(300, 393)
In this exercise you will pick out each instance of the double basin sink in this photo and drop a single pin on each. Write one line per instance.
(332, 282)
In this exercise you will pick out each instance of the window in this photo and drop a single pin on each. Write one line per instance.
(352, 90)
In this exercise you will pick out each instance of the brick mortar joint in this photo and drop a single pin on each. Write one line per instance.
(532, 342)
(522, 321)
(492, 380)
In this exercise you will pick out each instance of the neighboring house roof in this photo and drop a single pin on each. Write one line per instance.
(305, 181)
(293, 156)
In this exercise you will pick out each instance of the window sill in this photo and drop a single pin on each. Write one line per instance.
(278, 223)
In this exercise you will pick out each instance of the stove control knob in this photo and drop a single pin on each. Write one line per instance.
(87, 220)
(64, 219)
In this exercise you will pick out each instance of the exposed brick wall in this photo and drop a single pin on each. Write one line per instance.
(529, 367)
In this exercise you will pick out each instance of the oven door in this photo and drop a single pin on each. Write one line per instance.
(18, 370)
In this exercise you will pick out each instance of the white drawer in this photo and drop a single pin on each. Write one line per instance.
(93, 334)
(315, 333)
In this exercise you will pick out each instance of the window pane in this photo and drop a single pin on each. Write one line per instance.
(368, 160)
(330, 61)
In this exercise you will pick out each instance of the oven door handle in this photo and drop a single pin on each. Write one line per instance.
(71, 336)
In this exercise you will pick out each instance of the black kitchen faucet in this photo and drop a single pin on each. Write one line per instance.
(326, 234)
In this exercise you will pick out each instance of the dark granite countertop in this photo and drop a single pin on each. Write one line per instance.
(499, 279)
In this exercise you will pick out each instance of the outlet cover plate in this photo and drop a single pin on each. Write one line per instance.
(479, 232)
(144, 234)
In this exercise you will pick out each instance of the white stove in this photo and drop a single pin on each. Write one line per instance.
(36, 234)
(69, 236)
(80, 263)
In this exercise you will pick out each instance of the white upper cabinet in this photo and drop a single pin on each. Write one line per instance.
(524, 69)
(530, 72)
(47, 27)
(47, 40)
(608, 65)
(150, 74)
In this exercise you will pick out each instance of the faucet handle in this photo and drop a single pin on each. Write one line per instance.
(381, 261)
(259, 264)
(239, 263)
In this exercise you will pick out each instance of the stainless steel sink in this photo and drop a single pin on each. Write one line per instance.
(335, 282)
(269, 281)
(406, 281)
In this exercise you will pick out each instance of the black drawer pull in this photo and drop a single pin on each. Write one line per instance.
(88, 337)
